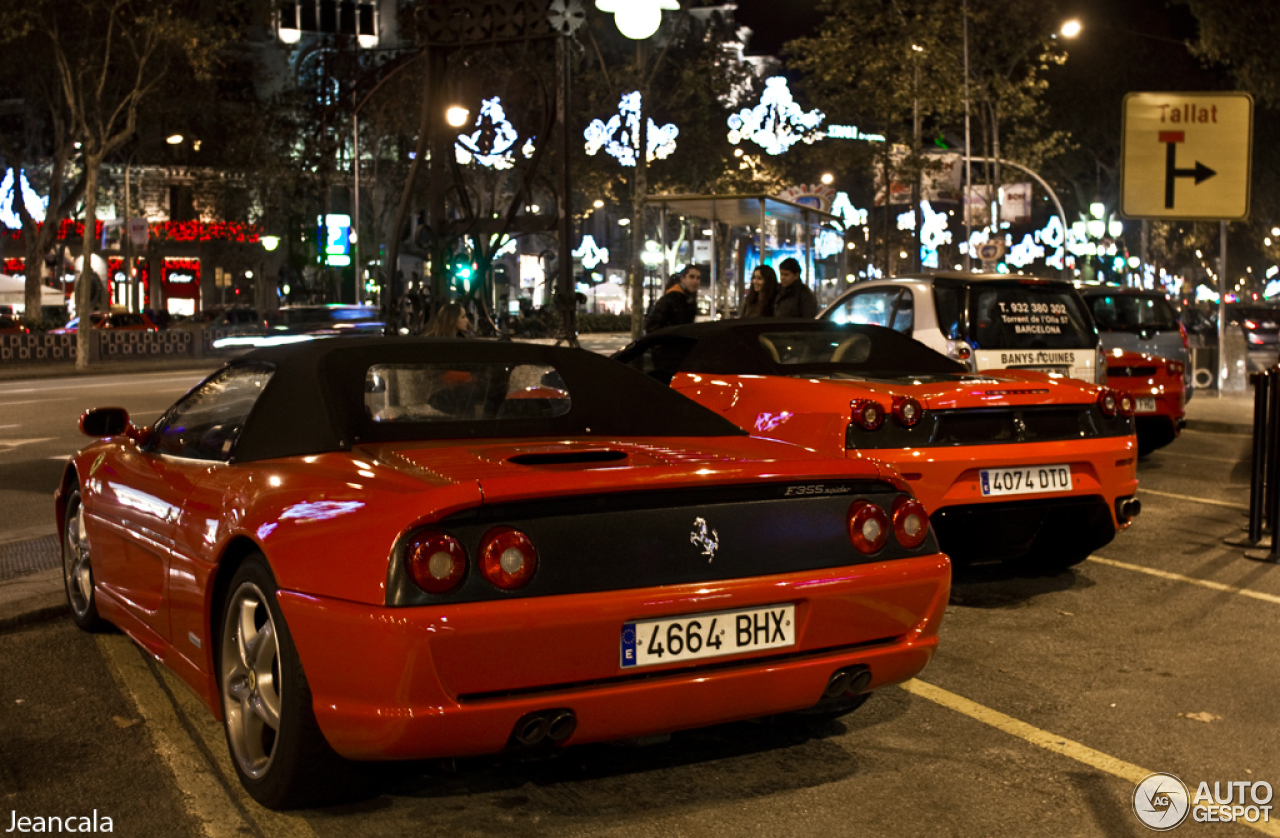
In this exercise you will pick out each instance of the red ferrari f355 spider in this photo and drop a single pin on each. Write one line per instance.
(395, 549)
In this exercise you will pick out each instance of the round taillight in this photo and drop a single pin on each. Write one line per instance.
(1107, 402)
(910, 522)
(1176, 368)
(1124, 404)
(867, 413)
(868, 527)
(436, 561)
(907, 411)
(507, 558)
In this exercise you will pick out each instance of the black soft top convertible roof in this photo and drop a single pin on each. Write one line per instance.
(315, 400)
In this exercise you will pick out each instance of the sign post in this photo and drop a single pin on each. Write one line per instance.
(1187, 157)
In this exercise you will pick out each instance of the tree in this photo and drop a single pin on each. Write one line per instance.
(107, 57)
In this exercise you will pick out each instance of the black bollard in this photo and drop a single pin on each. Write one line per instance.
(1258, 470)
(1272, 431)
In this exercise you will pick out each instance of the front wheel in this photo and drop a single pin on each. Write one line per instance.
(77, 567)
(277, 748)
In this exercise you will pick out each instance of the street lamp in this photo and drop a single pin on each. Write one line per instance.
(1070, 29)
(457, 116)
(637, 19)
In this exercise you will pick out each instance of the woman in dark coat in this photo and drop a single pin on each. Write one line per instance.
(759, 300)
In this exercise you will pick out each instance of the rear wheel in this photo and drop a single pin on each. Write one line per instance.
(277, 747)
(77, 567)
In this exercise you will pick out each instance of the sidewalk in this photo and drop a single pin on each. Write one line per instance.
(1231, 413)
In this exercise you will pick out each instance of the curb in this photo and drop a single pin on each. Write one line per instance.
(1207, 427)
(30, 599)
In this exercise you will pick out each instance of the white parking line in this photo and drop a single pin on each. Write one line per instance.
(176, 719)
(1047, 740)
(1227, 504)
(1178, 577)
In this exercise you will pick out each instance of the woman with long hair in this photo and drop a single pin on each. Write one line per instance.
(451, 321)
(759, 300)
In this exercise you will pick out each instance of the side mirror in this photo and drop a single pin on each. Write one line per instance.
(102, 422)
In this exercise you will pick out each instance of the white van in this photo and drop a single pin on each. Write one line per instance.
(988, 321)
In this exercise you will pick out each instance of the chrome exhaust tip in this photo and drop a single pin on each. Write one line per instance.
(561, 725)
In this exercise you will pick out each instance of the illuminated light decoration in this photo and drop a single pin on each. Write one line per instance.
(506, 248)
(590, 253)
(778, 122)
(933, 234)
(1024, 252)
(907, 220)
(828, 243)
(1272, 271)
(844, 209)
(492, 142)
(1115, 228)
(1206, 295)
(637, 19)
(1272, 289)
(34, 203)
(620, 136)
(851, 132)
(270, 243)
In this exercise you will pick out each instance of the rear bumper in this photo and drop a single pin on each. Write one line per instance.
(945, 477)
(1062, 526)
(411, 683)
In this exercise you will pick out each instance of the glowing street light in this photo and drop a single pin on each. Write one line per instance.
(637, 19)
(174, 139)
(828, 178)
(457, 116)
(1071, 28)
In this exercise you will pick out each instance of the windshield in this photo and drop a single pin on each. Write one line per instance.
(1028, 315)
(1132, 313)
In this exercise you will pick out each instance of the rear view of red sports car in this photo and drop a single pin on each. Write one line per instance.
(1158, 387)
(377, 549)
(1011, 464)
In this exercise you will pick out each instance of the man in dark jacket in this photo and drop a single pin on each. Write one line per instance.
(794, 298)
(679, 304)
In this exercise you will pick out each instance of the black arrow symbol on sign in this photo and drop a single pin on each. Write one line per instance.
(1201, 172)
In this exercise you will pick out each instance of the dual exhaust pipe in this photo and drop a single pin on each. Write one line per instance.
(544, 727)
(850, 681)
(1127, 509)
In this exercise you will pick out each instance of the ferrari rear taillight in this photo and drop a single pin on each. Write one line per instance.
(910, 522)
(1176, 368)
(1107, 402)
(907, 411)
(507, 558)
(868, 414)
(1124, 404)
(436, 561)
(868, 527)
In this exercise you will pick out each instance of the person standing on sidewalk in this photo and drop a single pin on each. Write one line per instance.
(794, 297)
(764, 289)
(679, 305)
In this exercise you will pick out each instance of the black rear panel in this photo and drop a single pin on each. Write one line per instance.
(1131, 372)
(984, 426)
(643, 539)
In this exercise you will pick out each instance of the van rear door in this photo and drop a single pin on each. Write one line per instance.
(1032, 324)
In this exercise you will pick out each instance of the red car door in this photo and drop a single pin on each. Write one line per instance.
(135, 509)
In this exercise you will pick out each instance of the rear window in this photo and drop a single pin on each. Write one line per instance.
(476, 392)
(1025, 315)
(866, 350)
(1132, 313)
(121, 320)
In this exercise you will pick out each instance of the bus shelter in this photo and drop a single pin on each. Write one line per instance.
(766, 219)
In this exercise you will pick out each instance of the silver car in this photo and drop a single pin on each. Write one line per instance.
(1135, 320)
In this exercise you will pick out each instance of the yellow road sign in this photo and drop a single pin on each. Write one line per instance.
(1186, 155)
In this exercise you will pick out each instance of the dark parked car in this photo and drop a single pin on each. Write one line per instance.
(324, 321)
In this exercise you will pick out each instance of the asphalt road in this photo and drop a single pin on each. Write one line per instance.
(1049, 697)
